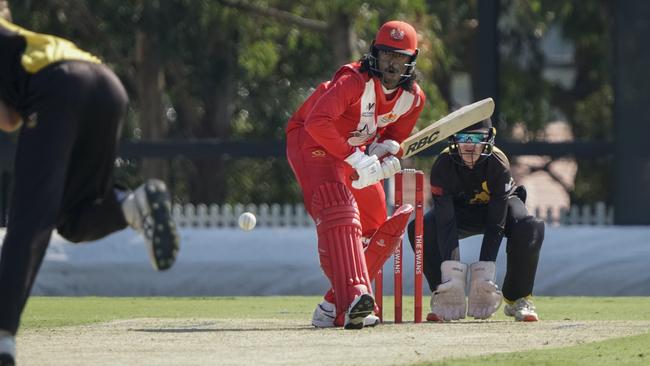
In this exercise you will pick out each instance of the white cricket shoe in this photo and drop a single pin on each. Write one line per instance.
(7, 349)
(325, 313)
(522, 310)
(360, 308)
(148, 211)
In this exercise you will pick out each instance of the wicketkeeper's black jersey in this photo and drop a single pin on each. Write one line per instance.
(486, 187)
(24, 53)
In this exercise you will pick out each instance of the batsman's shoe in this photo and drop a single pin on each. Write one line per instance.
(360, 308)
(148, 211)
(325, 314)
(7, 349)
(522, 310)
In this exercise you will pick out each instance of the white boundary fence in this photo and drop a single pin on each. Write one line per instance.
(294, 215)
(596, 214)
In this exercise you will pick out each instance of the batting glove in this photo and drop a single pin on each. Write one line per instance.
(381, 149)
(390, 165)
(368, 169)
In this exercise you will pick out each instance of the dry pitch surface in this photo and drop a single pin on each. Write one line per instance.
(282, 342)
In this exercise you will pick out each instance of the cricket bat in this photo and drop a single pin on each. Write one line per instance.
(444, 127)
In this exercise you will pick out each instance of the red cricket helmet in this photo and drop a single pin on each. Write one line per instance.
(397, 36)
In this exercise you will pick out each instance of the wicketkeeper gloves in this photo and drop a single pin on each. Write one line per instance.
(484, 295)
(448, 300)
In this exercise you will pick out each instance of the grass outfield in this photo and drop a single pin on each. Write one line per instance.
(50, 313)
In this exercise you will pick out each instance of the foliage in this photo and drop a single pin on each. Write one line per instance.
(532, 98)
(232, 69)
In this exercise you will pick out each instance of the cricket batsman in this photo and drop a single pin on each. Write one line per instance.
(340, 132)
(69, 109)
(474, 193)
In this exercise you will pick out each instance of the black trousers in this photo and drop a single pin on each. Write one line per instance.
(525, 235)
(62, 173)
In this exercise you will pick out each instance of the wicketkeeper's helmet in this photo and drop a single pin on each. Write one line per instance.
(479, 133)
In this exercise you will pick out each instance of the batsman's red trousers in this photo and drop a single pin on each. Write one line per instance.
(312, 165)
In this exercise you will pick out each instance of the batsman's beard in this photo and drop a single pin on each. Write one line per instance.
(390, 77)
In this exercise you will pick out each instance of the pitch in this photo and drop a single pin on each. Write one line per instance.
(275, 330)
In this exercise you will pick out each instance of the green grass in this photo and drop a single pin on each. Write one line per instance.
(51, 312)
(46, 312)
(628, 351)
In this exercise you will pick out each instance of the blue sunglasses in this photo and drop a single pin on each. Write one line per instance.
(469, 138)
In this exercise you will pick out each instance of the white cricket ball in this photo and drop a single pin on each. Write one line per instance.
(247, 221)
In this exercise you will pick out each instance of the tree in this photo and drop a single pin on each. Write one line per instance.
(586, 104)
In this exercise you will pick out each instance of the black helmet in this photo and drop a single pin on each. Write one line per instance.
(479, 133)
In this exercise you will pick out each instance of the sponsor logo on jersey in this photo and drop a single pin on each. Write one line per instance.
(387, 118)
(360, 137)
(318, 154)
(369, 112)
(481, 197)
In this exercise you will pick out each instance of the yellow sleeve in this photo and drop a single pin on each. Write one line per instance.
(43, 49)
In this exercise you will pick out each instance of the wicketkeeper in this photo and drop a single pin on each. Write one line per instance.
(474, 193)
(69, 108)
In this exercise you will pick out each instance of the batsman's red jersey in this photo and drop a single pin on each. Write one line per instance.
(351, 110)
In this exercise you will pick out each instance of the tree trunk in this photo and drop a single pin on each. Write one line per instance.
(210, 185)
(150, 84)
(343, 40)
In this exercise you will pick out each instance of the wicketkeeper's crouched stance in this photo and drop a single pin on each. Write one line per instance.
(374, 102)
(70, 107)
(474, 193)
